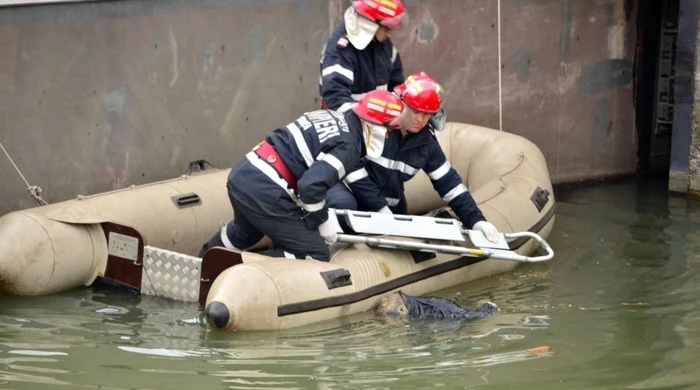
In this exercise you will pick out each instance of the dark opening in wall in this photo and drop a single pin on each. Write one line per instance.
(654, 82)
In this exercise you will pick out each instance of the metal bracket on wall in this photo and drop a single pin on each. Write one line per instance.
(666, 70)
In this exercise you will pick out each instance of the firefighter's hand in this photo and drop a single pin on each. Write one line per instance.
(385, 210)
(488, 229)
(329, 229)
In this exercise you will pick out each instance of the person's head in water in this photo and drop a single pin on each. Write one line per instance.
(400, 305)
(484, 305)
(392, 305)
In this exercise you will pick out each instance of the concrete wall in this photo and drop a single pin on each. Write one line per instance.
(98, 96)
(683, 172)
(694, 157)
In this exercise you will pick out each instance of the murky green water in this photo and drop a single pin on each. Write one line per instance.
(617, 307)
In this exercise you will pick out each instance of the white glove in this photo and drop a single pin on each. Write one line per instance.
(385, 210)
(488, 229)
(329, 229)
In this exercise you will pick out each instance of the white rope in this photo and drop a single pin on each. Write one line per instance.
(500, 88)
(34, 191)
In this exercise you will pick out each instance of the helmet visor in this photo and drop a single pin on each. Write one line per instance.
(441, 93)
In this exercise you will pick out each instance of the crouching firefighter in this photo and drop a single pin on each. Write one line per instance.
(379, 185)
(279, 188)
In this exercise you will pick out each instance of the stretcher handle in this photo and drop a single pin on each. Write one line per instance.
(450, 249)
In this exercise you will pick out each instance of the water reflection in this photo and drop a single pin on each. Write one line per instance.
(127, 342)
(616, 307)
(668, 279)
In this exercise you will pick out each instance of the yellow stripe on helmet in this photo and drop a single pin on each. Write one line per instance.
(415, 84)
(388, 3)
(378, 101)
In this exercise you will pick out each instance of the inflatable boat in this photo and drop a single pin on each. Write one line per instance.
(147, 237)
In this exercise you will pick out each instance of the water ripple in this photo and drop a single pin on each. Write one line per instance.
(616, 308)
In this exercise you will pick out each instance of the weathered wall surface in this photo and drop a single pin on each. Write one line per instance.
(685, 156)
(99, 96)
(694, 155)
(566, 74)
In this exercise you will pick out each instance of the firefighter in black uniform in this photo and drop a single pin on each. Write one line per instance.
(359, 57)
(279, 188)
(379, 184)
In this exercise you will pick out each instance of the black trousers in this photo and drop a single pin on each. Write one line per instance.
(262, 208)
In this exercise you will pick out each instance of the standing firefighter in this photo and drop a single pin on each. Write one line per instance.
(279, 188)
(359, 57)
(379, 186)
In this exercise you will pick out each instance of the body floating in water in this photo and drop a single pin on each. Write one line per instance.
(399, 304)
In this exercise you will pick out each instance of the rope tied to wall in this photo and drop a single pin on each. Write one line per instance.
(34, 191)
(500, 78)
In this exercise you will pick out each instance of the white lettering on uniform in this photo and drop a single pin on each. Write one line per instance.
(326, 123)
(326, 130)
(304, 123)
(326, 126)
(341, 121)
(319, 116)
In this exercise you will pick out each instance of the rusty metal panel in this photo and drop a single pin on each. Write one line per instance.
(566, 74)
(98, 96)
(10, 3)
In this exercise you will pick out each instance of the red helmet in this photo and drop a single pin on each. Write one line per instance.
(387, 13)
(380, 108)
(421, 92)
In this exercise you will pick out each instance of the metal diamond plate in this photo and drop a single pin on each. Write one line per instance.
(170, 274)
